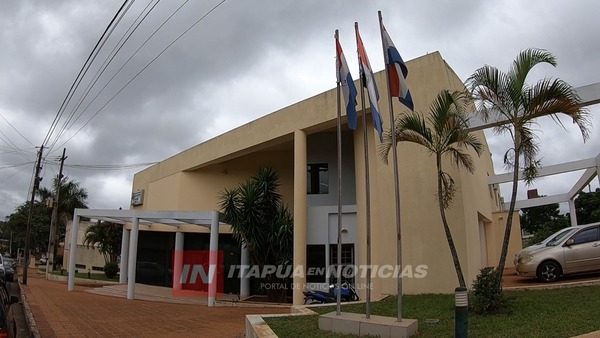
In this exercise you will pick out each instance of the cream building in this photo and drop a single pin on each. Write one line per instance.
(87, 258)
(299, 140)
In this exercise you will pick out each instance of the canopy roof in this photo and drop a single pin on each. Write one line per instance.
(149, 217)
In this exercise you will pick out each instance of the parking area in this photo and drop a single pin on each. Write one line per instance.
(512, 281)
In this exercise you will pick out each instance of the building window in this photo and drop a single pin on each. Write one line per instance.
(318, 178)
(315, 263)
(347, 265)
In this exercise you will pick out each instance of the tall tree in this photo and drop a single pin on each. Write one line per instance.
(72, 196)
(261, 222)
(587, 206)
(443, 133)
(106, 237)
(537, 218)
(507, 96)
(16, 224)
(542, 221)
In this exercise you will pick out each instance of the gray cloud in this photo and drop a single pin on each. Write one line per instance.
(246, 59)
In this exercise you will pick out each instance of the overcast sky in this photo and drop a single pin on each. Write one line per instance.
(244, 60)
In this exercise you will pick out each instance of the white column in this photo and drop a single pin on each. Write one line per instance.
(598, 168)
(244, 280)
(178, 260)
(300, 214)
(572, 211)
(133, 241)
(213, 258)
(124, 255)
(72, 252)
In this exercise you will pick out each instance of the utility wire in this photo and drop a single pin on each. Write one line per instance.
(24, 165)
(11, 145)
(101, 70)
(143, 69)
(103, 166)
(15, 129)
(81, 74)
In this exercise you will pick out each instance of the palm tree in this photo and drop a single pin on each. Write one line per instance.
(261, 222)
(107, 238)
(72, 196)
(442, 133)
(506, 96)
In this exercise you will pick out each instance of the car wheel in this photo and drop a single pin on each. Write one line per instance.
(549, 272)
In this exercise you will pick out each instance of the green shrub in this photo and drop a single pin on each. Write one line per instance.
(111, 269)
(487, 293)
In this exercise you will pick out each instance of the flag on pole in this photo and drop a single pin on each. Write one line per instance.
(345, 79)
(366, 74)
(397, 71)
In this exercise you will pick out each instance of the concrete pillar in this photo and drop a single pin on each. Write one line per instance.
(124, 255)
(300, 214)
(213, 258)
(178, 260)
(572, 211)
(598, 168)
(244, 280)
(72, 252)
(132, 263)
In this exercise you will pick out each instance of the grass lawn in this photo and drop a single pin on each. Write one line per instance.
(535, 313)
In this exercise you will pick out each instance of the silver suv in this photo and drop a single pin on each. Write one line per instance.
(577, 251)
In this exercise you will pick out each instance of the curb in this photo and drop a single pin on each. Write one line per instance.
(33, 329)
(256, 327)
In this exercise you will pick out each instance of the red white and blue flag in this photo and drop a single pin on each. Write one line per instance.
(397, 71)
(368, 79)
(348, 89)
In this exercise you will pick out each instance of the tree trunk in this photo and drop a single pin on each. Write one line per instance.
(456, 261)
(511, 210)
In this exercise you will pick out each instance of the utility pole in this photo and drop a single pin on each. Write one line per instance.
(50, 264)
(36, 183)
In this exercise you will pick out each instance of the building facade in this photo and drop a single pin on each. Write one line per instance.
(300, 143)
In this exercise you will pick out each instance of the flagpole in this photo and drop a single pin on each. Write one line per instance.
(367, 181)
(339, 171)
(396, 176)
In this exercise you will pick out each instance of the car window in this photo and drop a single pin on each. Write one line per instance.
(586, 236)
(560, 237)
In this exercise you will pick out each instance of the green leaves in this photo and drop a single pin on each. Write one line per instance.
(106, 237)
(259, 219)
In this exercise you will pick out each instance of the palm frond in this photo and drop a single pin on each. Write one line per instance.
(525, 61)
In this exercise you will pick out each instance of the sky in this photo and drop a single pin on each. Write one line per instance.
(215, 65)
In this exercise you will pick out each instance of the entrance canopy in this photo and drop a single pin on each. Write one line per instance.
(209, 219)
(149, 217)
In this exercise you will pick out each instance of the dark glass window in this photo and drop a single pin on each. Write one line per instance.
(318, 178)
(347, 263)
(315, 263)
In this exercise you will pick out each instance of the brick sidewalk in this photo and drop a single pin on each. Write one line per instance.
(59, 313)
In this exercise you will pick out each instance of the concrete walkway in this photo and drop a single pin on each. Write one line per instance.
(105, 311)
(59, 313)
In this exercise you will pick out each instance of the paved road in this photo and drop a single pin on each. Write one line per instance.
(59, 313)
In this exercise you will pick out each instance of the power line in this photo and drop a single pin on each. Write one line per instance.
(103, 68)
(82, 72)
(11, 145)
(103, 166)
(144, 68)
(15, 129)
